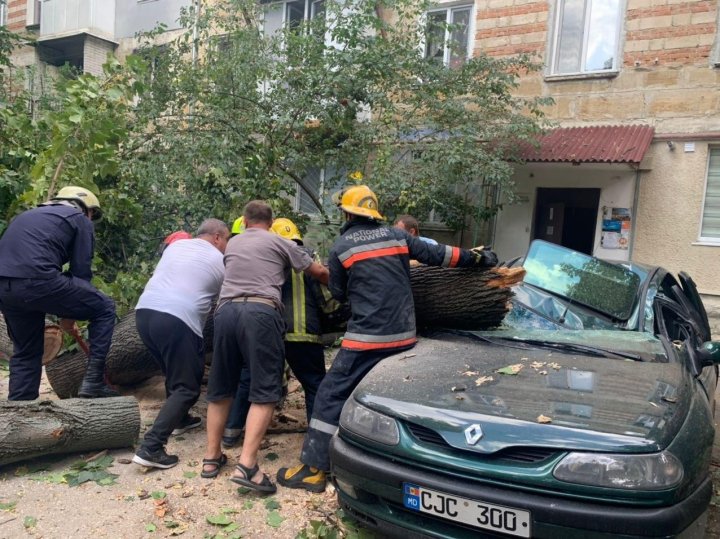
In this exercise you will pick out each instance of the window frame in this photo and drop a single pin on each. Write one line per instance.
(552, 71)
(708, 240)
(448, 8)
(4, 12)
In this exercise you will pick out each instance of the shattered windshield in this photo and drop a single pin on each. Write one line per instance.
(608, 288)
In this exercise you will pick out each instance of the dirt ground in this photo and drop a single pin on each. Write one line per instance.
(161, 503)
(164, 503)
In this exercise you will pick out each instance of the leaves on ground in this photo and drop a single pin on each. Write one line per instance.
(274, 519)
(7, 506)
(271, 504)
(544, 419)
(150, 527)
(29, 522)
(82, 471)
(189, 475)
(247, 504)
(483, 380)
(218, 520)
(158, 494)
(511, 369)
(271, 456)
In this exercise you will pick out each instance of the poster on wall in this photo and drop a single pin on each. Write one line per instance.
(616, 228)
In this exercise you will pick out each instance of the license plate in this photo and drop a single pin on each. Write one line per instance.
(471, 512)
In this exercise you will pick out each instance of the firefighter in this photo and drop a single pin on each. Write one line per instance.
(370, 268)
(33, 250)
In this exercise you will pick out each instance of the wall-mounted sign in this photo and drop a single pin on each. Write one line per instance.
(616, 228)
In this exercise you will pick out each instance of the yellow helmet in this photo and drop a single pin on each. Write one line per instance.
(238, 226)
(84, 196)
(359, 200)
(286, 228)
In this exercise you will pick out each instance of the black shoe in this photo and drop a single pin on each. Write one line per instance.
(157, 459)
(190, 422)
(96, 391)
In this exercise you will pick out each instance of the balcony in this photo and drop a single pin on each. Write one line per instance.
(65, 18)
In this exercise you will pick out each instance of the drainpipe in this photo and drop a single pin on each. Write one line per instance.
(633, 226)
(196, 5)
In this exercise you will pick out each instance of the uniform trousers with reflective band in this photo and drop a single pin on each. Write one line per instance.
(179, 352)
(346, 372)
(24, 303)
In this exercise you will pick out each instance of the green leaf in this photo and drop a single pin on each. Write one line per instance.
(247, 504)
(274, 519)
(189, 475)
(9, 506)
(75, 118)
(271, 456)
(150, 527)
(271, 503)
(228, 511)
(158, 495)
(170, 524)
(218, 520)
(243, 490)
(29, 522)
(85, 476)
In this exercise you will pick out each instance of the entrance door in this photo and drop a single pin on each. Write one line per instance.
(567, 217)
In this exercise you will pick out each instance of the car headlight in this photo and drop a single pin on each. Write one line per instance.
(369, 424)
(657, 471)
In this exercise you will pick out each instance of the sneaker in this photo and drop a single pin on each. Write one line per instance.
(190, 422)
(157, 459)
(302, 476)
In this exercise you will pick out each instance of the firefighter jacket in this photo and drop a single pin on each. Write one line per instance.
(370, 268)
(304, 299)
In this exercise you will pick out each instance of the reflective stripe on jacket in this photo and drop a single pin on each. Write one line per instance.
(370, 267)
(302, 300)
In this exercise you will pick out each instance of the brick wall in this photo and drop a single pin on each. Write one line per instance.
(95, 54)
(17, 15)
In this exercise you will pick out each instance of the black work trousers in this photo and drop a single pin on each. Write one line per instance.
(346, 372)
(179, 352)
(25, 302)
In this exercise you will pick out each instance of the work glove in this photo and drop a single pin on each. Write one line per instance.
(484, 258)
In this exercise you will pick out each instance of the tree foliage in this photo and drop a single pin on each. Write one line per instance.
(224, 112)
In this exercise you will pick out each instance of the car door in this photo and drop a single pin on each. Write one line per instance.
(690, 291)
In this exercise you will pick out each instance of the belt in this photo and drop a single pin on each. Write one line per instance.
(255, 299)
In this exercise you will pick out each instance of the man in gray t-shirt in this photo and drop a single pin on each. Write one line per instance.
(249, 329)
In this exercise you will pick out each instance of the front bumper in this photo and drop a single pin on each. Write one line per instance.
(378, 503)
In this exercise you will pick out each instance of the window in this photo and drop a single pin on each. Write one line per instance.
(587, 37)
(710, 227)
(323, 182)
(447, 35)
(3, 12)
(292, 13)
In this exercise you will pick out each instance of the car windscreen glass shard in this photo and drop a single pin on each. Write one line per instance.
(594, 283)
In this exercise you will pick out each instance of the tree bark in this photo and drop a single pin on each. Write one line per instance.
(30, 429)
(462, 298)
(128, 362)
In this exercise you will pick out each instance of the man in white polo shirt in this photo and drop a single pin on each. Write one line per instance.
(170, 317)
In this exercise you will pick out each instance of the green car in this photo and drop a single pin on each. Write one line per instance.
(590, 417)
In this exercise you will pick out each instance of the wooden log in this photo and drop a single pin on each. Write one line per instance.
(30, 429)
(128, 362)
(462, 298)
(52, 345)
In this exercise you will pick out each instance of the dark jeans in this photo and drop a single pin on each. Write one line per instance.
(346, 372)
(307, 362)
(179, 353)
(25, 302)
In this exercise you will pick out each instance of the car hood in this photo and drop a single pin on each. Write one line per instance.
(556, 400)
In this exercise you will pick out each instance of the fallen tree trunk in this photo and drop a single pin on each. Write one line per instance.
(462, 298)
(472, 298)
(128, 362)
(30, 429)
(53, 341)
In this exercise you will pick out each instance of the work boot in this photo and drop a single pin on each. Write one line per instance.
(302, 476)
(93, 385)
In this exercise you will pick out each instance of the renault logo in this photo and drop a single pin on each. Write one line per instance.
(473, 434)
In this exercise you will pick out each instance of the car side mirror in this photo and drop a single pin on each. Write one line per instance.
(709, 353)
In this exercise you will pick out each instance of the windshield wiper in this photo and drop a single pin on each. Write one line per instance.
(560, 346)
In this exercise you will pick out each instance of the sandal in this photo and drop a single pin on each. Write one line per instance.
(265, 486)
(218, 463)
